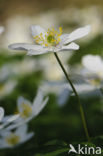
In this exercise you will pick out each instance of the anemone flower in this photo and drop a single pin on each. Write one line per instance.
(51, 40)
(28, 110)
(11, 139)
(93, 69)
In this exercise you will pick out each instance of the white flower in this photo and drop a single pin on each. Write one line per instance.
(11, 139)
(93, 63)
(18, 68)
(51, 40)
(6, 120)
(63, 90)
(93, 69)
(27, 110)
(1, 29)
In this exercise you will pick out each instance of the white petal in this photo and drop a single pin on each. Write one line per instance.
(93, 63)
(63, 38)
(24, 46)
(22, 130)
(71, 46)
(8, 119)
(12, 118)
(13, 126)
(20, 101)
(38, 52)
(36, 30)
(39, 103)
(78, 33)
(31, 48)
(41, 106)
(38, 99)
(82, 88)
(5, 133)
(1, 113)
(63, 97)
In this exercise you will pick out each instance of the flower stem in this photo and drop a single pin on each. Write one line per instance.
(76, 94)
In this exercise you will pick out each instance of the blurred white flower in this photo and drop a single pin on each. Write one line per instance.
(5, 121)
(18, 68)
(1, 29)
(63, 90)
(11, 139)
(51, 40)
(94, 63)
(7, 87)
(28, 110)
(86, 90)
(93, 69)
(59, 88)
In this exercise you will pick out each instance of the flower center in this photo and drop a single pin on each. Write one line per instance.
(95, 82)
(49, 38)
(13, 139)
(26, 110)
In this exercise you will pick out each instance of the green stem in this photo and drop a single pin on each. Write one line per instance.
(76, 94)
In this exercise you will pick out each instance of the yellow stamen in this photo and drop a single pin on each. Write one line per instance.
(60, 29)
(50, 38)
(95, 82)
(13, 139)
(46, 45)
(27, 110)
